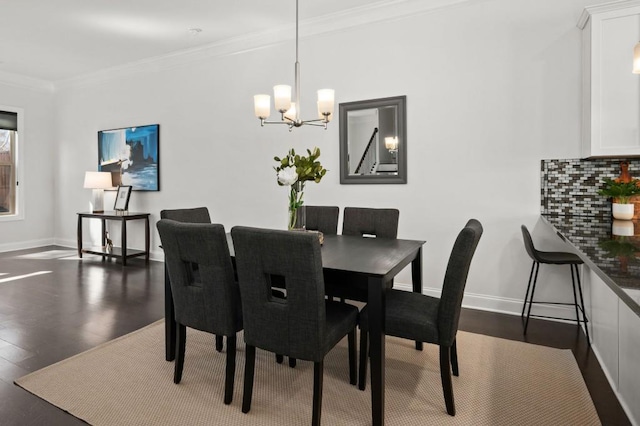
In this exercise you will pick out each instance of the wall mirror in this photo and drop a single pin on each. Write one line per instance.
(373, 141)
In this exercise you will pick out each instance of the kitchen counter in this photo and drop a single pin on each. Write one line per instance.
(611, 248)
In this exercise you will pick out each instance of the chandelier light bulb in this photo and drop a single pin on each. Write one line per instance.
(282, 97)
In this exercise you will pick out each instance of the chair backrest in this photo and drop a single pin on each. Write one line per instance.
(528, 244)
(381, 223)
(194, 215)
(455, 280)
(294, 326)
(208, 300)
(322, 218)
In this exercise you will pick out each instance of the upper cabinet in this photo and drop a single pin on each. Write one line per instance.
(610, 91)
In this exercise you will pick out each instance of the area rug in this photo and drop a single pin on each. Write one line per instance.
(128, 382)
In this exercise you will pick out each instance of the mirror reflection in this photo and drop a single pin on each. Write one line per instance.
(373, 141)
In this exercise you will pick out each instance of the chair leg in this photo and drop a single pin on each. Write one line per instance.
(292, 362)
(279, 358)
(526, 296)
(181, 341)
(318, 368)
(352, 357)
(249, 366)
(533, 290)
(230, 369)
(445, 375)
(575, 298)
(219, 343)
(364, 346)
(584, 315)
(454, 359)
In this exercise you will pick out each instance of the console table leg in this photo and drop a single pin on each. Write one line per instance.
(124, 242)
(80, 236)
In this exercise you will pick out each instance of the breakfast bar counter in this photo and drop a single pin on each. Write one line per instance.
(610, 248)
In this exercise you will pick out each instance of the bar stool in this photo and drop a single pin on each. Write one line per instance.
(552, 258)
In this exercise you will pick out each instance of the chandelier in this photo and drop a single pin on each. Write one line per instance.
(290, 111)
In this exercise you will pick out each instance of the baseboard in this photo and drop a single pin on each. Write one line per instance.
(23, 245)
(501, 304)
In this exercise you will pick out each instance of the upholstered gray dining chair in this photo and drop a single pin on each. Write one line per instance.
(423, 318)
(189, 215)
(322, 218)
(304, 325)
(209, 300)
(362, 222)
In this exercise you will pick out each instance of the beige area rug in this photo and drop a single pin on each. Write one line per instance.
(128, 382)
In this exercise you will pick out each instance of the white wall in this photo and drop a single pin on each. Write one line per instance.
(37, 147)
(492, 88)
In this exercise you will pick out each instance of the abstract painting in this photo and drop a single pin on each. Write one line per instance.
(131, 155)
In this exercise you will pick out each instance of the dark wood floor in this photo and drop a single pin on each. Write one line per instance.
(73, 305)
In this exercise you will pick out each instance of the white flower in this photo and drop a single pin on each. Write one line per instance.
(287, 176)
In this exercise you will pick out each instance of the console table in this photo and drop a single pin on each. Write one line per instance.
(115, 252)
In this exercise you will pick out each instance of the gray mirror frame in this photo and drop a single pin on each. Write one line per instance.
(401, 103)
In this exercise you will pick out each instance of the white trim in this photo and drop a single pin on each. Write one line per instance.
(24, 245)
(354, 17)
(502, 304)
(23, 82)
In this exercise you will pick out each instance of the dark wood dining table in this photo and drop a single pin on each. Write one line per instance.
(377, 259)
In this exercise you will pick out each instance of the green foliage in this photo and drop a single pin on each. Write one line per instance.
(307, 168)
(620, 191)
(619, 248)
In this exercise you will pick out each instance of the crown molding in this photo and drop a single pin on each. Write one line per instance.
(386, 10)
(23, 82)
(603, 8)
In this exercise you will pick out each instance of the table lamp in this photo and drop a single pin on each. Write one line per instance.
(98, 182)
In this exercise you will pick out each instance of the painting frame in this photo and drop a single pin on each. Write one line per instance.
(132, 155)
(122, 198)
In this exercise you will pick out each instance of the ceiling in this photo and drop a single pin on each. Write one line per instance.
(65, 39)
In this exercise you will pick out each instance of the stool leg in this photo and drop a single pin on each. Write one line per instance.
(533, 289)
(526, 296)
(584, 315)
(575, 297)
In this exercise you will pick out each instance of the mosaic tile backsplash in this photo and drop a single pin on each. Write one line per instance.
(570, 187)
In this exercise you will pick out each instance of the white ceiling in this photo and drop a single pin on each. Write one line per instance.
(57, 40)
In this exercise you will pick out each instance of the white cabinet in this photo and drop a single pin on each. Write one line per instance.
(610, 91)
(602, 312)
(629, 385)
(615, 339)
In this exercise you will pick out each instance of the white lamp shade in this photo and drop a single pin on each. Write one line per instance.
(636, 59)
(322, 116)
(325, 101)
(261, 105)
(291, 112)
(282, 97)
(98, 180)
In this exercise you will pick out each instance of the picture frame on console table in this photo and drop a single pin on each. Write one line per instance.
(122, 198)
(131, 154)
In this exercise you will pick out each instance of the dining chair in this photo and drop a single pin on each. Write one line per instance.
(423, 318)
(321, 218)
(362, 222)
(305, 325)
(317, 218)
(208, 301)
(552, 258)
(190, 215)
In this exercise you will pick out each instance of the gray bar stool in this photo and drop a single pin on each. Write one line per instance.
(552, 258)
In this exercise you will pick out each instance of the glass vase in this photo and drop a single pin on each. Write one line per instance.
(297, 217)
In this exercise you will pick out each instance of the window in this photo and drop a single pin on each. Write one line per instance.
(8, 172)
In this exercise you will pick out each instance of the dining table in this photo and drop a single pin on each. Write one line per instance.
(378, 260)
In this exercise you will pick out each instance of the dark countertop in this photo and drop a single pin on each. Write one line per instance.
(614, 258)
